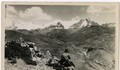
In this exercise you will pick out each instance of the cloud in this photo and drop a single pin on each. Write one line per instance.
(65, 23)
(31, 15)
(11, 15)
(95, 9)
(11, 10)
(102, 13)
(39, 17)
(65, 12)
(33, 18)
(34, 13)
(28, 26)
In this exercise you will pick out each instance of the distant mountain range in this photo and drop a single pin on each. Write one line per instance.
(81, 23)
(83, 32)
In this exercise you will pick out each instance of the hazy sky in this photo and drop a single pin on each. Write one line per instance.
(39, 16)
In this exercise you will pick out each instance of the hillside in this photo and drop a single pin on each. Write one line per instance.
(97, 43)
(42, 42)
(91, 47)
(91, 34)
(14, 35)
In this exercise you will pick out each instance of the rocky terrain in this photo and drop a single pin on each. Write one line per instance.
(92, 46)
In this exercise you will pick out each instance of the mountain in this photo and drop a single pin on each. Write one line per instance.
(43, 42)
(90, 35)
(95, 45)
(83, 23)
(92, 46)
(14, 35)
(58, 25)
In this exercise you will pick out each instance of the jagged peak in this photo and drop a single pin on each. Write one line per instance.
(87, 22)
(58, 25)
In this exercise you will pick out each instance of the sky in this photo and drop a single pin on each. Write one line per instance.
(40, 16)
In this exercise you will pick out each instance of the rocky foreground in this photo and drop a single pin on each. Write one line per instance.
(21, 65)
(99, 60)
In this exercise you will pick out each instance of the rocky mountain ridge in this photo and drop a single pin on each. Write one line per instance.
(92, 46)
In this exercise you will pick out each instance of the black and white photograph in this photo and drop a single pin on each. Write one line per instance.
(60, 36)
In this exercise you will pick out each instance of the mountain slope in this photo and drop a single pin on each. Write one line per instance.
(43, 42)
(90, 35)
(91, 47)
(97, 45)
